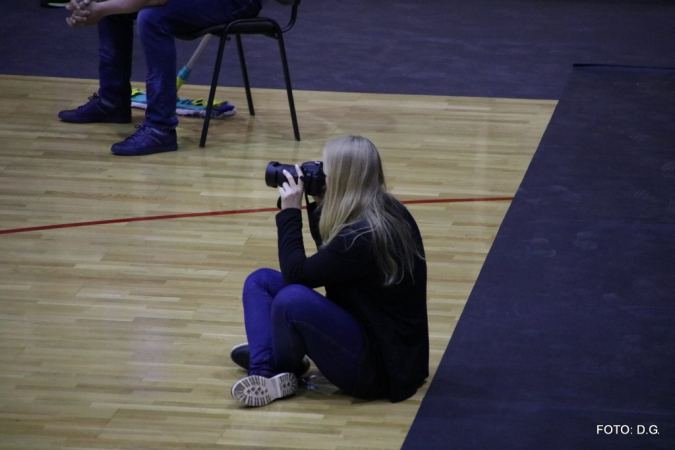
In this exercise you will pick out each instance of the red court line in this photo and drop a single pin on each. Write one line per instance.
(225, 213)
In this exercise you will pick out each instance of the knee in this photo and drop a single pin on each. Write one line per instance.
(259, 277)
(293, 299)
(150, 20)
(262, 281)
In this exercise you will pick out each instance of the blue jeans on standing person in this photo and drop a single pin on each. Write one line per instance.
(157, 27)
(286, 322)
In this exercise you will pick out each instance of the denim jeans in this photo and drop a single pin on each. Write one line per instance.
(286, 322)
(156, 29)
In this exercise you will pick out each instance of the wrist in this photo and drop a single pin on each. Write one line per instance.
(283, 207)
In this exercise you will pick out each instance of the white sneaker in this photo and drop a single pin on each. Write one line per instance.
(256, 390)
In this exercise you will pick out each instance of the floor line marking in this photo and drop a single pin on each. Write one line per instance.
(224, 213)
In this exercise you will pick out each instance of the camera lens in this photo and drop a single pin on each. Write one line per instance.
(313, 176)
(271, 174)
(274, 174)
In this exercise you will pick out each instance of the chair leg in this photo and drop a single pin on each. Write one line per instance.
(244, 73)
(212, 93)
(289, 89)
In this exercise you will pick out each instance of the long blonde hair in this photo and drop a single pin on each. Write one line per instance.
(356, 192)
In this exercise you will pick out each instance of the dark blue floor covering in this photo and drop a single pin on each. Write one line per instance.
(478, 48)
(571, 323)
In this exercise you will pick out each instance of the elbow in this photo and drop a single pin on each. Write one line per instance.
(293, 274)
(290, 277)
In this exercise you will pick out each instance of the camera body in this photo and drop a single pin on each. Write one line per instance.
(312, 176)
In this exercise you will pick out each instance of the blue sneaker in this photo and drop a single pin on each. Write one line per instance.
(145, 141)
(95, 111)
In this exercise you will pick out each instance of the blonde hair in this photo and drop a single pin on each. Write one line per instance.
(356, 192)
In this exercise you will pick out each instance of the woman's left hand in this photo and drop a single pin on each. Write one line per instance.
(84, 12)
(291, 192)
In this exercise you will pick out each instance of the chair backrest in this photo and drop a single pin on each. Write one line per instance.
(294, 13)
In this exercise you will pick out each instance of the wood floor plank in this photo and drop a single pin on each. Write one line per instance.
(118, 335)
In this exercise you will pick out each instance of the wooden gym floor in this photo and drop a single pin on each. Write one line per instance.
(115, 333)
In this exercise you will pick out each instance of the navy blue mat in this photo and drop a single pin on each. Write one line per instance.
(571, 324)
(478, 48)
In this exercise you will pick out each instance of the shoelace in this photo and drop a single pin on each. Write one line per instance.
(141, 130)
(93, 99)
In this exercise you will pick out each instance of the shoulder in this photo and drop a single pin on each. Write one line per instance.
(403, 219)
(398, 209)
(394, 205)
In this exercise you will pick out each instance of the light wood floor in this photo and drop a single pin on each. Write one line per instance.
(118, 335)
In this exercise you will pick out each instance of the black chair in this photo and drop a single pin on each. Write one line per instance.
(262, 26)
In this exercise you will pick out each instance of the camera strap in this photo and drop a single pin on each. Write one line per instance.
(307, 206)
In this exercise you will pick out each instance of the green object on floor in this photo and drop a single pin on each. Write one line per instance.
(47, 4)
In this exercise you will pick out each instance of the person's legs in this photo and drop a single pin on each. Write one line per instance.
(189, 16)
(264, 383)
(160, 57)
(285, 323)
(116, 40)
(112, 104)
(157, 133)
(157, 27)
(305, 322)
(260, 289)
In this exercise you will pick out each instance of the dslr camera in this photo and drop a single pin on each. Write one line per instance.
(312, 176)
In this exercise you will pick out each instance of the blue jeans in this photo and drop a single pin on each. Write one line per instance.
(156, 29)
(286, 322)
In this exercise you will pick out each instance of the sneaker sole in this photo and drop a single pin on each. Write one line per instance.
(143, 152)
(256, 390)
(102, 120)
(95, 121)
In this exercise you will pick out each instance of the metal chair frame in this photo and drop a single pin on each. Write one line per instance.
(260, 26)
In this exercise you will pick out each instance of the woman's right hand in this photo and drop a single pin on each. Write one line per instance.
(291, 192)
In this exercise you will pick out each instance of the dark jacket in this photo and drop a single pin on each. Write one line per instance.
(394, 318)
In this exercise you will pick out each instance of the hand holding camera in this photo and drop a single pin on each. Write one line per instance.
(309, 178)
(292, 189)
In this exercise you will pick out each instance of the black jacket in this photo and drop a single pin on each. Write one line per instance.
(394, 318)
